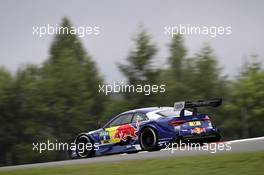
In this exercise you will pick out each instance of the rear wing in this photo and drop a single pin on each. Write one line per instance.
(182, 105)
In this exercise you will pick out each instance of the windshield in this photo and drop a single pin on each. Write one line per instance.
(173, 113)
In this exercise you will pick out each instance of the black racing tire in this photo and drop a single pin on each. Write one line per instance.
(148, 139)
(81, 150)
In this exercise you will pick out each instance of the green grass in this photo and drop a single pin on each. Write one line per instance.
(240, 163)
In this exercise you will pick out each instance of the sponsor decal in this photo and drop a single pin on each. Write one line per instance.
(104, 136)
(125, 131)
(197, 130)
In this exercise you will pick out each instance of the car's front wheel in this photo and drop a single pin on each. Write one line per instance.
(84, 146)
(148, 139)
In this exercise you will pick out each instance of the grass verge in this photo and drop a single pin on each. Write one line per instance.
(235, 164)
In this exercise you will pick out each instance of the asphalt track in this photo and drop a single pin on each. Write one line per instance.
(245, 145)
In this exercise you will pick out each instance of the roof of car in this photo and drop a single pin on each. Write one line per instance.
(144, 110)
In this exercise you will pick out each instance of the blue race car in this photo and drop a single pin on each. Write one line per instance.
(150, 129)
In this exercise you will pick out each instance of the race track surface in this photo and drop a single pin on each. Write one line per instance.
(245, 145)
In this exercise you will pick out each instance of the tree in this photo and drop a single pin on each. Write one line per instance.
(140, 69)
(178, 73)
(55, 101)
(28, 109)
(194, 78)
(246, 106)
(71, 79)
(177, 57)
(209, 81)
(7, 129)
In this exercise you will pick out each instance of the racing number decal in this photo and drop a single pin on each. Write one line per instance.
(107, 135)
(104, 136)
(195, 123)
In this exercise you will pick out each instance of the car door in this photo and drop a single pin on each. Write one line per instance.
(117, 130)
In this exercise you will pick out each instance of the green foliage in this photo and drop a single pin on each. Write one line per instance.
(140, 70)
(55, 101)
(140, 60)
(177, 76)
(217, 164)
(69, 85)
(7, 129)
(191, 78)
(209, 80)
(59, 99)
(246, 107)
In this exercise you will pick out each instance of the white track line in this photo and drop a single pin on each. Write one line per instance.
(246, 140)
(124, 154)
(142, 152)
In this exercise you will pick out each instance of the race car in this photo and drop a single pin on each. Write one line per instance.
(150, 129)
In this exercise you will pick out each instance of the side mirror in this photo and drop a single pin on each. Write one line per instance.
(99, 124)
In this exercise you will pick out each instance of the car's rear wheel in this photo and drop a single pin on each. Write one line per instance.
(84, 146)
(148, 139)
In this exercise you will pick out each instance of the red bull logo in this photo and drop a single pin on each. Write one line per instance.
(125, 131)
(198, 130)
